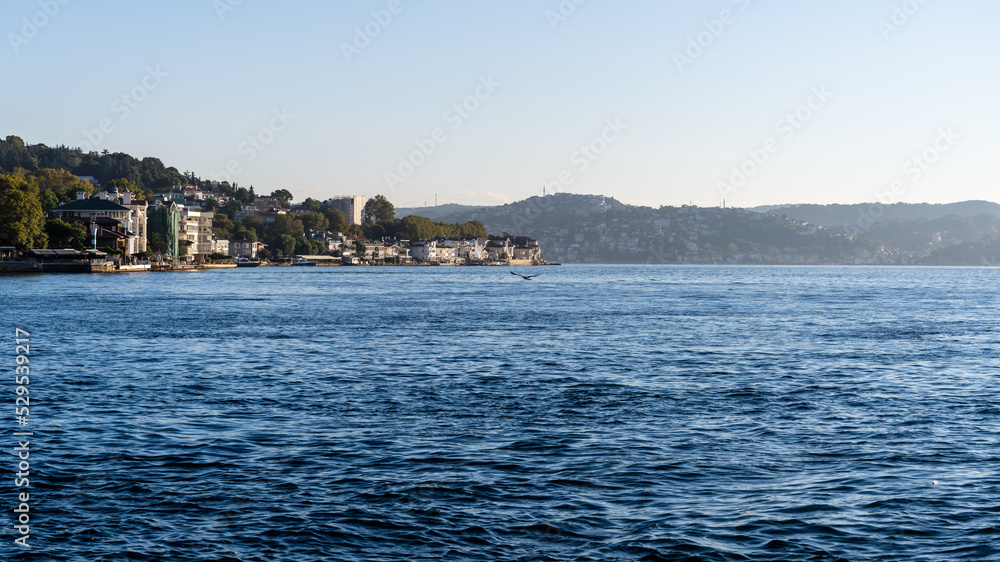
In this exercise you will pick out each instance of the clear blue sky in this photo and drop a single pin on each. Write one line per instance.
(223, 75)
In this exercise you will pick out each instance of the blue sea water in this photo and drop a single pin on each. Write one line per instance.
(594, 413)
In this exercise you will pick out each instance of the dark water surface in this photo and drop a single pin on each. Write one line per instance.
(595, 413)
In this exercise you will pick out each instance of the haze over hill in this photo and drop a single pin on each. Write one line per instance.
(599, 229)
(437, 212)
(847, 216)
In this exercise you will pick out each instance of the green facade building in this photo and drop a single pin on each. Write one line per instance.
(164, 218)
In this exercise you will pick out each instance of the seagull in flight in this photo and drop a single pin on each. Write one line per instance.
(525, 277)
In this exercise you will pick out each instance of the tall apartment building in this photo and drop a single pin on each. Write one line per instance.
(352, 206)
(164, 219)
(196, 227)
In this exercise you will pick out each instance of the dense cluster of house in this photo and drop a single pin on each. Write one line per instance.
(126, 225)
(520, 250)
(180, 218)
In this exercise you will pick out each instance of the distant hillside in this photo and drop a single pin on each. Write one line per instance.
(847, 216)
(598, 229)
(435, 213)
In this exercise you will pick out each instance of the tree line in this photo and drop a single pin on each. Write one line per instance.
(35, 179)
(286, 235)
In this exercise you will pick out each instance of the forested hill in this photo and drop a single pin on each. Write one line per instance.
(435, 213)
(150, 174)
(847, 216)
(599, 229)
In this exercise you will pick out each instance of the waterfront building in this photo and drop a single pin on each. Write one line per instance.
(136, 224)
(108, 223)
(526, 250)
(163, 218)
(468, 249)
(397, 252)
(220, 247)
(500, 250)
(332, 241)
(196, 227)
(427, 251)
(244, 249)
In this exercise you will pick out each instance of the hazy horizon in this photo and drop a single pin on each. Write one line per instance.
(480, 104)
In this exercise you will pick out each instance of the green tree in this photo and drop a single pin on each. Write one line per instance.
(222, 227)
(283, 196)
(415, 227)
(286, 244)
(66, 235)
(312, 205)
(360, 248)
(314, 221)
(471, 229)
(156, 244)
(242, 233)
(256, 224)
(374, 231)
(337, 220)
(230, 208)
(60, 182)
(21, 218)
(286, 224)
(48, 200)
(303, 246)
(379, 210)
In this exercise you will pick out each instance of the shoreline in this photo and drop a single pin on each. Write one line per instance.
(18, 267)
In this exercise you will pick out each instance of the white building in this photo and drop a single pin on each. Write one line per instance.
(196, 227)
(427, 251)
(220, 247)
(352, 206)
(471, 249)
(135, 223)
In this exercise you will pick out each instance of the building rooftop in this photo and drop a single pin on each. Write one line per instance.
(90, 205)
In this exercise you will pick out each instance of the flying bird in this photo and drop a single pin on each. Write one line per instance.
(525, 277)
